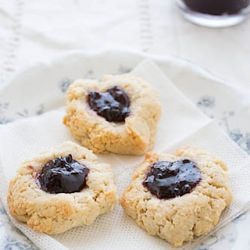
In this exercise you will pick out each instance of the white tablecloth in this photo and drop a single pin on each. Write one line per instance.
(36, 31)
(33, 31)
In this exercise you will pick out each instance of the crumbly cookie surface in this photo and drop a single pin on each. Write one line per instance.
(56, 213)
(135, 136)
(183, 218)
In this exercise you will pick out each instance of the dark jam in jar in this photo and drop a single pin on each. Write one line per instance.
(63, 175)
(217, 7)
(168, 180)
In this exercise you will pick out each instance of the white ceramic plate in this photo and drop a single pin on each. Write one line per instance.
(42, 88)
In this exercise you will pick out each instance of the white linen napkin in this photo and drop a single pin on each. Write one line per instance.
(182, 123)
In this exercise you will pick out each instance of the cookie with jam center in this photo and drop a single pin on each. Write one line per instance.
(61, 189)
(118, 114)
(178, 196)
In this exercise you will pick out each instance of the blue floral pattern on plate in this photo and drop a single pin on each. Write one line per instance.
(207, 104)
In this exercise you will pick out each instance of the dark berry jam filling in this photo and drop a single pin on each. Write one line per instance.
(113, 104)
(217, 7)
(171, 179)
(63, 175)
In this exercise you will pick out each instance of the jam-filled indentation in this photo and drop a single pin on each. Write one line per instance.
(171, 179)
(63, 175)
(113, 104)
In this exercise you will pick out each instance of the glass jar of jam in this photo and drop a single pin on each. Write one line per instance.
(215, 13)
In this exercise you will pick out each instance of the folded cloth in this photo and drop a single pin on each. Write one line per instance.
(181, 124)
